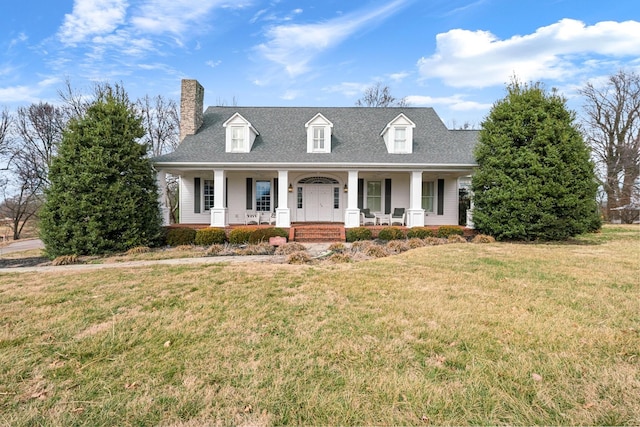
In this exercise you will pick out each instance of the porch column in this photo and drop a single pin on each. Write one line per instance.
(283, 214)
(352, 213)
(415, 214)
(470, 214)
(219, 210)
(161, 178)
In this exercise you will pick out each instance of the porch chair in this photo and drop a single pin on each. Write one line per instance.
(268, 218)
(251, 218)
(398, 217)
(366, 217)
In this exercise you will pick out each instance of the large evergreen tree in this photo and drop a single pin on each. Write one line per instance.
(103, 193)
(535, 180)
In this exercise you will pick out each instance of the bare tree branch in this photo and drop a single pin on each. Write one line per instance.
(378, 95)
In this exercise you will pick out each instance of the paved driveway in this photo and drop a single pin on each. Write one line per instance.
(22, 245)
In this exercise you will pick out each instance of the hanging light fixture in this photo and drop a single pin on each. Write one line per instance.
(290, 188)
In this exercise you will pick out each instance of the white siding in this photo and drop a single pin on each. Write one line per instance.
(450, 216)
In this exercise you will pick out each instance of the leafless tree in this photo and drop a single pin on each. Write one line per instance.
(162, 124)
(378, 95)
(38, 131)
(612, 127)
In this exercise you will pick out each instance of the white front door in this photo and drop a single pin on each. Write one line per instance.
(318, 204)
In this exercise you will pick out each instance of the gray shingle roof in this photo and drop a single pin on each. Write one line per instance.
(355, 138)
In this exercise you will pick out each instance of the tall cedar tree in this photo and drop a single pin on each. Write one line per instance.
(103, 193)
(535, 180)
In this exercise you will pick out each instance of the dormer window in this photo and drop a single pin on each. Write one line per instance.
(398, 135)
(319, 134)
(240, 134)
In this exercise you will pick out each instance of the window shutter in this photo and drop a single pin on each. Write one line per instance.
(197, 194)
(226, 192)
(387, 196)
(275, 193)
(249, 194)
(360, 193)
(441, 197)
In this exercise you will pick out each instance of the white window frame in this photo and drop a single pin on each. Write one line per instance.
(428, 198)
(371, 196)
(237, 139)
(208, 193)
(400, 139)
(318, 138)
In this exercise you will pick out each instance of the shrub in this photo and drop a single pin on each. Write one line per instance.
(434, 241)
(376, 251)
(419, 233)
(263, 234)
(338, 247)
(298, 258)
(448, 230)
(483, 238)
(209, 236)
(358, 233)
(65, 260)
(215, 249)
(391, 233)
(454, 238)
(262, 248)
(289, 248)
(415, 243)
(178, 236)
(361, 245)
(340, 258)
(398, 246)
(138, 250)
(241, 235)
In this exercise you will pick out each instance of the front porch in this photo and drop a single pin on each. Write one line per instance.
(318, 232)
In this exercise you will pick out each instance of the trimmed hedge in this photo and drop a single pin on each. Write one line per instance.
(419, 233)
(263, 234)
(358, 233)
(391, 233)
(241, 235)
(178, 236)
(210, 236)
(448, 230)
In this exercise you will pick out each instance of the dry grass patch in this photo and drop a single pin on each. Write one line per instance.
(453, 334)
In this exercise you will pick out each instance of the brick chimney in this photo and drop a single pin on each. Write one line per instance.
(191, 107)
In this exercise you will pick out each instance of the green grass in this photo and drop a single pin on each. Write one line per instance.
(517, 334)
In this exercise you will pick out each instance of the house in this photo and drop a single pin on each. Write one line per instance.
(287, 165)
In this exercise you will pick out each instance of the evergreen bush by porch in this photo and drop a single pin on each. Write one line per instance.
(210, 236)
(178, 236)
(391, 233)
(358, 233)
(419, 233)
(449, 230)
(241, 235)
(263, 234)
(103, 196)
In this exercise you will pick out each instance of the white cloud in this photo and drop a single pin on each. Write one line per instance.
(176, 16)
(22, 37)
(213, 64)
(479, 59)
(455, 103)
(294, 46)
(91, 17)
(24, 94)
(398, 77)
(290, 95)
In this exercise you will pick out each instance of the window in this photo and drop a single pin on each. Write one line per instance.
(400, 139)
(208, 194)
(318, 138)
(374, 196)
(299, 197)
(336, 197)
(427, 196)
(237, 138)
(263, 196)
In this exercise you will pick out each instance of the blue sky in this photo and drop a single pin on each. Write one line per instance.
(453, 55)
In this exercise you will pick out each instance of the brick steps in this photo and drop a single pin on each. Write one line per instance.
(318, 234)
